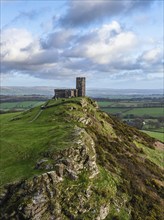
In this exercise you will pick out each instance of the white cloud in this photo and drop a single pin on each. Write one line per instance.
(107, 51)
(110, 43)
(152, 56)
(14, 43)
(108, 30)
(117, 48)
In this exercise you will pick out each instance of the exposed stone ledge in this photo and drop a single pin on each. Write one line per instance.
(38, 198)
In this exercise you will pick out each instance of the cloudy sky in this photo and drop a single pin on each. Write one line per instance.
(114, 43)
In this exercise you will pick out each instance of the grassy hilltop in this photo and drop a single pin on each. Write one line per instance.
(70, 149)
(26, 135)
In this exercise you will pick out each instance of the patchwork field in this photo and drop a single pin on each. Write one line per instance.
(152, 111)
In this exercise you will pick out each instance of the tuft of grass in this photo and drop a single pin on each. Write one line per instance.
(119, 213)
(105, 184)
(159, 136)
(98, 192)
(154, 155)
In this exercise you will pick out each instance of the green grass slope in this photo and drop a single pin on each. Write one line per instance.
(26, 135)
(157, 135)
(130, 162)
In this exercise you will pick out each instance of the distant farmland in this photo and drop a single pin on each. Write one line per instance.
(145, 114)
(6, 106)
(137, 111)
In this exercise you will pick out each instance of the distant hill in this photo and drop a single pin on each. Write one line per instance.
(18, 90)
(67, 159)
(91, 92)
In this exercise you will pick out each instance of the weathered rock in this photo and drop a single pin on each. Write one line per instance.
(59, 168)
(104, 210)
(44, 164)
(39, 198)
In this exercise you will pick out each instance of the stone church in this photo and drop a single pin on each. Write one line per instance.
(68, 93)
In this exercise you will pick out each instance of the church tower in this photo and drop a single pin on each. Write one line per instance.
(80, 85)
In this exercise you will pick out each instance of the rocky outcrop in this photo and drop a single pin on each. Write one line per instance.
(39, 198)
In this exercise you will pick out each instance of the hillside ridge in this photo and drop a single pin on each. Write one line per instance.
(77, 162)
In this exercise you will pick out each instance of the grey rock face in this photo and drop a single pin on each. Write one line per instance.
(39, 198)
